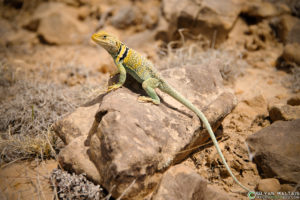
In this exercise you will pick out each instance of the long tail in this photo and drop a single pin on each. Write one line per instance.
(176, 95)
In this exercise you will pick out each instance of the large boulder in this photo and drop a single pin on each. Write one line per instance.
(276, 150)
(206, 17)
(57, 23)
(135, 142)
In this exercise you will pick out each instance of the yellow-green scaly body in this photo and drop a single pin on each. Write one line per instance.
(136, 65)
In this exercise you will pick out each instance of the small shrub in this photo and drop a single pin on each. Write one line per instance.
(75, 187)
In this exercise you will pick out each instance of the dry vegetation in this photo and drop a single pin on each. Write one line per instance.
(29, 108)
(74, 186)
(230, 63)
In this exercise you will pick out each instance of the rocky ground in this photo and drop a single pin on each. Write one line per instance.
(236, 60)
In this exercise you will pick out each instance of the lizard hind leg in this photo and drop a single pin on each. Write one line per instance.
(149, 85)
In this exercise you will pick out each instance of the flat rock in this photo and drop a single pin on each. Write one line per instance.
(276, 149)
(284, 112)
(269, 185)
(136, 142)
(181, 182)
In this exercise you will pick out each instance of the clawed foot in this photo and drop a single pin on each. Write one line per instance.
(148, 99)
(113, 87)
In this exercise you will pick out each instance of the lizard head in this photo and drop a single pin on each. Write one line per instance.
(107, 41)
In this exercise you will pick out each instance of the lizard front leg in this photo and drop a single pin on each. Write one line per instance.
(122, 77)
(149, 85)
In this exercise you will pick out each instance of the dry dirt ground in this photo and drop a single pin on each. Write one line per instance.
(70, 74)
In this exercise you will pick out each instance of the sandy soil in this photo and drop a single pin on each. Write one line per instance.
(27, 180)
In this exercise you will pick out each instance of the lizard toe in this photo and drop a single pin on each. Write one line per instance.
(144, 99)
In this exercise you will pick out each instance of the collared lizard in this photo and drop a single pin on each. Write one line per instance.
(129, 61)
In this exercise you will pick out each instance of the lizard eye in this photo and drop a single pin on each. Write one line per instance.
(104, 36)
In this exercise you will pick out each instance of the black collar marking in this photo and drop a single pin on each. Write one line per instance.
(124, 54)
(119, 49)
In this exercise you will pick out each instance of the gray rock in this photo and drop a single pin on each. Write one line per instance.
(284, 112)
(269, 185)
(136, 141)
(181, 182)
(276, 150)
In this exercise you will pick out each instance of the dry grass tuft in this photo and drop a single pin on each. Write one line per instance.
(34, 107)
(26, 118)
(231, 65)
(15, 147)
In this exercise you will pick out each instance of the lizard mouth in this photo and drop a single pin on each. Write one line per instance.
(96, 38)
